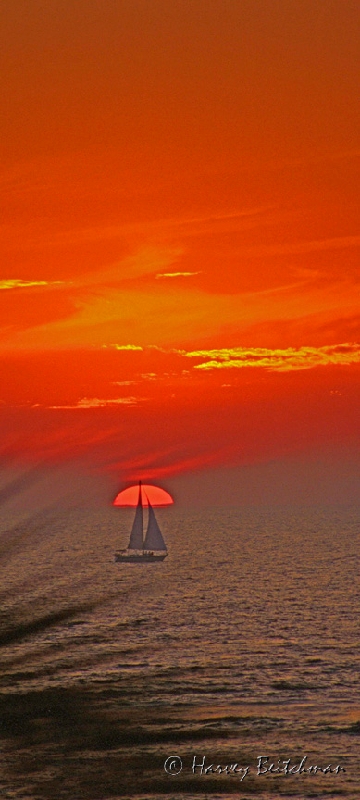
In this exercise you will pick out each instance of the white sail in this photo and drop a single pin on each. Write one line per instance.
(136, 535)
(154, 538)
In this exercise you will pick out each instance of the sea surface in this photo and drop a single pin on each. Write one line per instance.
(241, 648)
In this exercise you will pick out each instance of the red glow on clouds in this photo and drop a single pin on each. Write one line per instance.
(130, 496)
(179, 292)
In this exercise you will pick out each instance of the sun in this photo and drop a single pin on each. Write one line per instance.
(156, 495)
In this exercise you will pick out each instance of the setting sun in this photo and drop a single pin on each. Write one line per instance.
(156, 495)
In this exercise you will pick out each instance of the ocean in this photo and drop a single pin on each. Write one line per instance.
(230, 669)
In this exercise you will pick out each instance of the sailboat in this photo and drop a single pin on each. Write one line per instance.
(140, 550)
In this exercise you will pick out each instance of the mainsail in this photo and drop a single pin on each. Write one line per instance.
(153, 538)
(136, 535)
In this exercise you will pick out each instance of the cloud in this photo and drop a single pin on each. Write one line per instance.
(175, 463)
(17, 283)
(176, 274)
(97, 402)
(275, 360)
(123, 383)
(293, 248)
(124, 346)
(279, 360)
(187, 225)
(166, 349)
(124, 318)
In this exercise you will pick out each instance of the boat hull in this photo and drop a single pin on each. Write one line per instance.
(140, 558)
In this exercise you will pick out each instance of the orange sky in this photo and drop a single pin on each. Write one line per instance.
(179, 289)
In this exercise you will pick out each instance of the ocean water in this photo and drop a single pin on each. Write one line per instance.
(153, 681)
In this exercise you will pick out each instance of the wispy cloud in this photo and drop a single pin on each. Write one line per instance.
(280, 360)
(176, 274)
(174, 463)
(174, 350)
(97, 402)
(17, 283)
(187, 225)
(124, 346)
(293, 248)
(123, 383)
